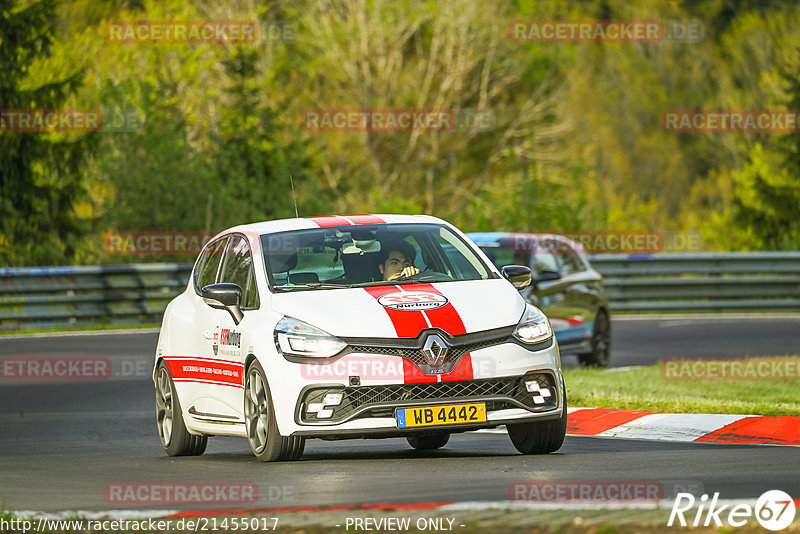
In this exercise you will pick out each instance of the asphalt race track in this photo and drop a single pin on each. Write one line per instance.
(63, 443)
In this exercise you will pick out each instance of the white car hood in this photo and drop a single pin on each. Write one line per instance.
(476, 304)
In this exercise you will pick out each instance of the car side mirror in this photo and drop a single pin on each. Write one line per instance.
(545, 276)
(224, 297)
(518, 275)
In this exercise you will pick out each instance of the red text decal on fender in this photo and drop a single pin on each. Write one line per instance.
(219, 372)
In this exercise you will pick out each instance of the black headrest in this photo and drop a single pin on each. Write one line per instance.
(361, 268)
(303, 278)
(280, 263)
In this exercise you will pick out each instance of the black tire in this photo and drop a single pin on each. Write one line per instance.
(601, 343)
(428, 442)
(175, 438)
(267, 444)
(541, 437)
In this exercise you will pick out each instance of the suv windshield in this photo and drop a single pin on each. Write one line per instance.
(368, 255)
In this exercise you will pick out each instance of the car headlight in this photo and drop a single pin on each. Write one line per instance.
(302, 339)
(534, 327)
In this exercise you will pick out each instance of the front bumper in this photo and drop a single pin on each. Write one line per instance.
(367, 410)
(369, 402)
(507, 400)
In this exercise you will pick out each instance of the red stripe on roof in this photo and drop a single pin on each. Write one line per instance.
(365, 219)
(329, 220)
(593, 421)
(783, 430)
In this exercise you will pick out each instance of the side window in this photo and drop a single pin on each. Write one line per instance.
(544, 261)
(238, 268)
(570, 262)
(251, 293)
(206, 270)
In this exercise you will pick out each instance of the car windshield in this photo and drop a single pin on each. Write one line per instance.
(368, 255)
(508, 251)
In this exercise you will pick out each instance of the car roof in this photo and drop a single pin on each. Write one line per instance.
(310, 223)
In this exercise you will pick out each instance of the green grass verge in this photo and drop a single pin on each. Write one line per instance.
(79, 328)
(644, 388)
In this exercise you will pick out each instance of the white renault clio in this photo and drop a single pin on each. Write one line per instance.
(358, 326)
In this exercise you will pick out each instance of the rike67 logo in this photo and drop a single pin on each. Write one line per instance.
(774, 510)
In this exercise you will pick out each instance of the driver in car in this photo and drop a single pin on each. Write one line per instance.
(396, 260)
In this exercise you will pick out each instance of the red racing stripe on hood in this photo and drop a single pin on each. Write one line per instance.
(409, 324)
(447, 318)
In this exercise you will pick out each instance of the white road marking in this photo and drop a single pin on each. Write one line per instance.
(671, 427)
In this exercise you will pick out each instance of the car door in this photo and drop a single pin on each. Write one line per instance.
(191, 364)
(549, 295)
(580, 295)
(224, 340)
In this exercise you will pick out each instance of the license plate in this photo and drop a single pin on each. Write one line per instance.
(447, 414)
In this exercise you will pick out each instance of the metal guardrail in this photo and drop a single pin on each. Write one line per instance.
(733, 281)
(43, 297)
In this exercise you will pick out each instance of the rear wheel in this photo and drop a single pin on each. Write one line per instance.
(540, 437)
(175, 438)
(601, 343)
(262, 428)
(427, 442)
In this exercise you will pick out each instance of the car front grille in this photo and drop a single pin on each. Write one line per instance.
(417, 357)
(380, 401)
(411, 349)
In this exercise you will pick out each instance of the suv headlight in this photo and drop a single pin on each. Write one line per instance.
(534, 327)
(301, 339)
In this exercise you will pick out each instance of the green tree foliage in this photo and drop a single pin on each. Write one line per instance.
(549, 136)
(766, 203)
(40, 173)
(254, 158)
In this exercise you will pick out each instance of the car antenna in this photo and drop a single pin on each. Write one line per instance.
(291, 181)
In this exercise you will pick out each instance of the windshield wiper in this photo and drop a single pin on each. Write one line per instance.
(313, 285)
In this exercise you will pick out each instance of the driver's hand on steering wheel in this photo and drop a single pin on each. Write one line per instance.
(406, 272)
